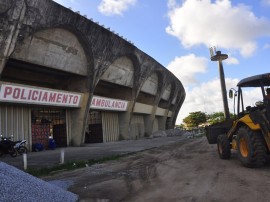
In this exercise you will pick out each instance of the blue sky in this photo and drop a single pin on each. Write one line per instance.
(178, 33)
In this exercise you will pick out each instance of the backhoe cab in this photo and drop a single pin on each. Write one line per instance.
(249, 131)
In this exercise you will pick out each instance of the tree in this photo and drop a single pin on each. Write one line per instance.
(194, 119)
(181, 126)
(217, 117)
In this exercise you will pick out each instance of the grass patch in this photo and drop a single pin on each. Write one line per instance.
(70, 166)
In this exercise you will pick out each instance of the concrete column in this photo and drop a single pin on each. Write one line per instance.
(124, 130)
(223, 90)
(149, 121)
(124, 123)
(148, 125)
(219, 57)
(10, 31)
(78, 121)
(170, 123)
(162, 123)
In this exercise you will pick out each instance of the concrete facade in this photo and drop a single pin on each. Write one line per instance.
(46, 45)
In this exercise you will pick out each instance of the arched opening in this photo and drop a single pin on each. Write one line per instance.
(110, 100)
(44, 74)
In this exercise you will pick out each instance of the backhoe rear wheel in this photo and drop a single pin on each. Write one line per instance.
(223, 146)
(251, 147)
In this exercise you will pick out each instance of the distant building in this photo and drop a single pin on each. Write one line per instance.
(64, 76)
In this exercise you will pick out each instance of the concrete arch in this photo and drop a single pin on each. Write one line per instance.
(136, 74)
(173, 89)
(165, 98)
(117, 80)
(122, 75)
(56, 48)
(173, 95)
(62, 51)
(150, 86)
(120, 72)
(147, 100)
(179, 101)
(161, 82)
(167, 92)
(162, 111)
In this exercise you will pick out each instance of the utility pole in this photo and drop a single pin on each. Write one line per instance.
(217, 56)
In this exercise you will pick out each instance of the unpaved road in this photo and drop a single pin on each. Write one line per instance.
(185, 171)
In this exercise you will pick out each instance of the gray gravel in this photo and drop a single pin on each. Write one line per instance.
(167, 133)
(64, 184)
(16, 185)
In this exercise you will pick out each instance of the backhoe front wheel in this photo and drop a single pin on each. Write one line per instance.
(223, 146)
(251, 148)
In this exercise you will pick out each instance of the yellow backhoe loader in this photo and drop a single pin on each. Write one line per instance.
(249, 131)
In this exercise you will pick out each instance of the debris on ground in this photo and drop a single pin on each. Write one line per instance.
(17, 185)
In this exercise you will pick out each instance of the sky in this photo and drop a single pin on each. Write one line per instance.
(179, 33)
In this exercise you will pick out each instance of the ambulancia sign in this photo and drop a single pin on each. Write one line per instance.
(108, 104)
(32, 95)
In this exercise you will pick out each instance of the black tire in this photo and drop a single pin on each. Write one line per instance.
(12, 152)
(224, 147)
(251, 148)
(22, 150)
(1, 153)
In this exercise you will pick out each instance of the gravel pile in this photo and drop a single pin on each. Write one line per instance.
(16, 185)
(167, 133)
(174, 132)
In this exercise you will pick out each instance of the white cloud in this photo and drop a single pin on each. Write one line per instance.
(115, 7)
(231, 61)
(206, 98)
(171, 3)
(219, 23)
(266, 46)
(186, 67)
(266, 2)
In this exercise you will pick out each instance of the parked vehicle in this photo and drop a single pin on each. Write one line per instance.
(7, 146)
(249, 132)
(20, 148)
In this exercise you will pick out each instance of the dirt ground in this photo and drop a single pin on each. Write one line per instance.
(185, 171)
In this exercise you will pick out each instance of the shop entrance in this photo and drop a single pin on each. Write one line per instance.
(46, 123)
(94, 132)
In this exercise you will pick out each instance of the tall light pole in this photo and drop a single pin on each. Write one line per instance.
(217, 56)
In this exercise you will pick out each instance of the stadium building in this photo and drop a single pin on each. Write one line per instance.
(65, 76)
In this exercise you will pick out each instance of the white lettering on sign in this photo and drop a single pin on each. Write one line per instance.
(109, 104)
(31, 95)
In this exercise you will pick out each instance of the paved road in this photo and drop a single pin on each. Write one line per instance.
(50, 158)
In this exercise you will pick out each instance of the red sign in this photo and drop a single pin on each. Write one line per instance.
(108, 104)
(23, 94)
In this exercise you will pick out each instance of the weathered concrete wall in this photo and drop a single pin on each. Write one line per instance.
(167, 92)
(150, 85)
(89, 50)
(55, 48)
(120, 72)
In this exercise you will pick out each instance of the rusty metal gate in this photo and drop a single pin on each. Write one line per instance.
(49, 122)
(94, 128)
(102, 126)
(110, 126)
